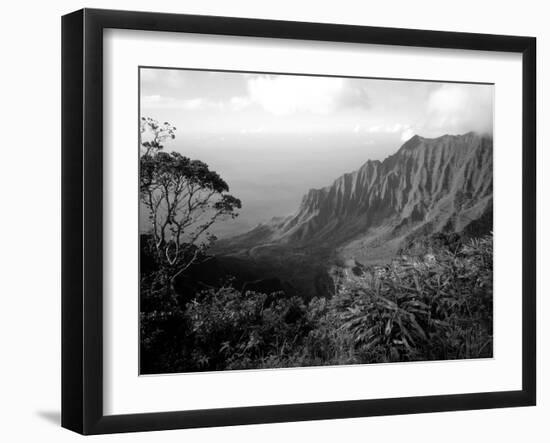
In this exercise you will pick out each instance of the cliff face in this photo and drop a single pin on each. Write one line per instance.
(427, 186)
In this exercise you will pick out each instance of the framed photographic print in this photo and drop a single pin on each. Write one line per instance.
(269, 221)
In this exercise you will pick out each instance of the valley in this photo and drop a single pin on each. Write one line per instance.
(429, 186)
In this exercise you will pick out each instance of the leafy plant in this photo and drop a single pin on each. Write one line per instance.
(436, 306)
(433, 302)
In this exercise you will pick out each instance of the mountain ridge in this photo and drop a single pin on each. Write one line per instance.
(428, 185)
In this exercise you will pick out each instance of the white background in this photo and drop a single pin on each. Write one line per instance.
(30, 222)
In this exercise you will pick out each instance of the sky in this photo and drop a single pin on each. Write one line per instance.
(274, 137)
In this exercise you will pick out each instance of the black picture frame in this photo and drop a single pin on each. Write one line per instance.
(82, 215)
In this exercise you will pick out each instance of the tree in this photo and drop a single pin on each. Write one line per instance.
(183, 197)
(157, 132)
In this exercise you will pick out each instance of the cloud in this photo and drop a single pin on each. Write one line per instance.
(283, 94)
(446, 109)
(238, 103)
(157, 101)
(172, 78)
(276, 94)
(286, 94)
(366, 108)
(407, 134)
(396, 127)
(256, 130)
(194, 103)
(404, 131)
(458, 108)
(391, 128)
(354, 94)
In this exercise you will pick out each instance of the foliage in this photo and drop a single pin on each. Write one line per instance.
(429, 306)
(436, 306)
(236, 332)
(153, 134)
(183, 198)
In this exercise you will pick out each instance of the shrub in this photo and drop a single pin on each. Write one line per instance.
(435, 304)
(232, 331)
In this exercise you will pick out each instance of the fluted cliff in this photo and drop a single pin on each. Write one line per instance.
(427, 186)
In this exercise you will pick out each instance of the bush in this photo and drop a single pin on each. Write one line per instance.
(232, 331)
(436, 306)
(433, 305)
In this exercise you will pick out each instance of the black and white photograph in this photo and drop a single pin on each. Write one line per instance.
(294, 221)
(298, 220)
